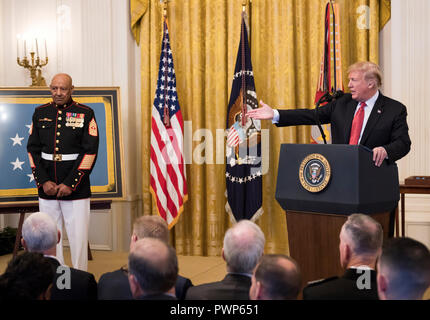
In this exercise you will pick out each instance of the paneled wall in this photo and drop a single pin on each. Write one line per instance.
(405, 52)
(90, 40)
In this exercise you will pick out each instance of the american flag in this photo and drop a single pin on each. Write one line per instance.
(167, 167)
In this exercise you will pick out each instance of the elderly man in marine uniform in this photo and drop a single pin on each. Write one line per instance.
(62, 150)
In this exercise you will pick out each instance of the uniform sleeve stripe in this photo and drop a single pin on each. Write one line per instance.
(87, 162)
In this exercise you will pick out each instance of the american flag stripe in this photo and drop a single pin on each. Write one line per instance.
(167, 182)
(168, 154)
(165, 178)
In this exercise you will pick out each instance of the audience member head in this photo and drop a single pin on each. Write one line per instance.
(360, 241)
(150, 226)
(276, 277)
(152, 267)
(243, 247)
(403, 270)
(40, 233)
(28, 276)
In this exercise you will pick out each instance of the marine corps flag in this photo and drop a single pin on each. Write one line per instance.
(330, 76)
(243, 149)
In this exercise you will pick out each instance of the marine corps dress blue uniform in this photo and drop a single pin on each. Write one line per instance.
(62, 147)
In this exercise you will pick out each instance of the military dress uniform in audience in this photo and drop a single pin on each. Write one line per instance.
(115, 286)
(243, 248)
(40, 234)
(360, 245)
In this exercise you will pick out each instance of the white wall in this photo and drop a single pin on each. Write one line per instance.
(405, 52)
(91, 40)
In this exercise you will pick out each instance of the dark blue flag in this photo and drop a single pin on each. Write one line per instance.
(243, 150)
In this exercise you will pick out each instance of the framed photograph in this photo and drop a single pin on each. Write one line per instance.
(16, 109)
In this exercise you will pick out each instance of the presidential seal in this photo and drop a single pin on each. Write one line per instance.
(314, 172)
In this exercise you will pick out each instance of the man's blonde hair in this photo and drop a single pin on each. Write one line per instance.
(151, 227)
(370, 70)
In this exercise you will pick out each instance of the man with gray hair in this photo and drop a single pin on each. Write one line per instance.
(403, 270)
(40, 234)
(243, 248)
(360, 246)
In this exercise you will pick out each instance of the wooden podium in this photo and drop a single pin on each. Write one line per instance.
(315, 218)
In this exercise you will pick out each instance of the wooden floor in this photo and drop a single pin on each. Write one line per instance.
(198, 269)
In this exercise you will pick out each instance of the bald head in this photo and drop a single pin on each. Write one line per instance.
(153, 267)
(61, 88)
(276, 277)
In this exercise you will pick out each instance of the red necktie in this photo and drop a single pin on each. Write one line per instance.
(357, 124)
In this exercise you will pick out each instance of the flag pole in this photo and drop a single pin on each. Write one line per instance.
(166, 116)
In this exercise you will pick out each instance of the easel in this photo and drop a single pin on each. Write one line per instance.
(28, 207)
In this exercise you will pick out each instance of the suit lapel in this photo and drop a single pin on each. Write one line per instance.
(350, 110)
(373, 118)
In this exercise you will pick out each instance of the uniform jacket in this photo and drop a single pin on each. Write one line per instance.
(343, 288)
(386, 126)
(58, 130)
(115, 286)
(232, 287)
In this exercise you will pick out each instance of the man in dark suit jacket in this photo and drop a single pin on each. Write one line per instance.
(360, 245)
(153, 269)
(384, 128)
(380, 124)
(403, 270)
(243, 248)
(115, 286)
(40, 234)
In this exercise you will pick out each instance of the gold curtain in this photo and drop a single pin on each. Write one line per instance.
(286, 47)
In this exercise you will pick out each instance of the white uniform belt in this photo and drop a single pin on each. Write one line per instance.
(60, 157)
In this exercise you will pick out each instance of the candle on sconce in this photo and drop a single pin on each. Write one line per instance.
(17, 48)
(46, 51)
(37, 49)
(25, 48)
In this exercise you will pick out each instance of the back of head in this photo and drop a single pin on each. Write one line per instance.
(27, 277)
(40, 232)
(154, 265)
(364, 234)
(371, 71)
(151, 226)
(405, 263)
(243, 246)
(279, 276)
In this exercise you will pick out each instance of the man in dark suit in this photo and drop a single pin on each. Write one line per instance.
(114, 285)
(243, 248)
(403, 270)
(364, 116)
(360, 245)
(276, 277)
(40, 234)
(152, 270)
